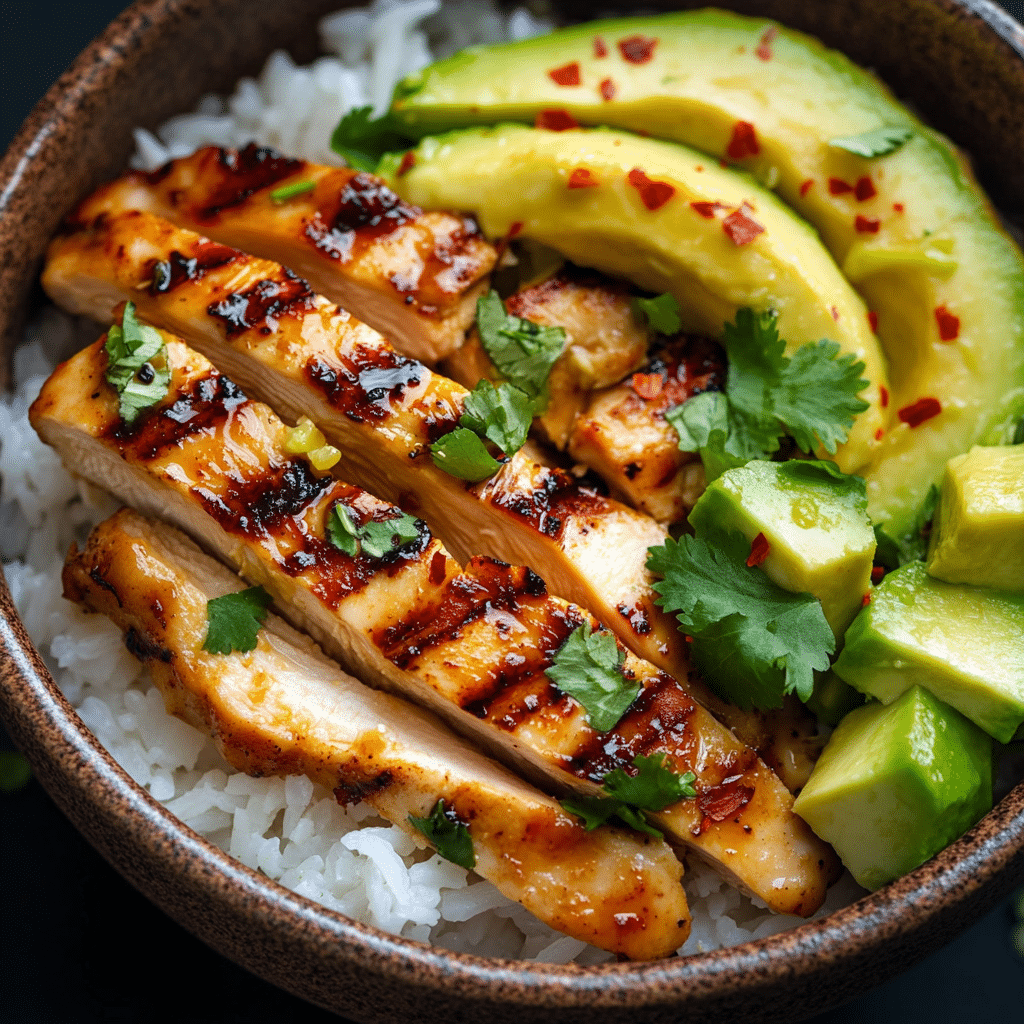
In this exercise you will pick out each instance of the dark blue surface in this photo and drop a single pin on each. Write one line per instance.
(80, 945)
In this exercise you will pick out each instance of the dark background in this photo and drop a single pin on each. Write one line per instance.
(78, 944)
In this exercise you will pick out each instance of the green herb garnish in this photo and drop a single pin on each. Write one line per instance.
(817, 471)
(912, 546)
(588, 666)
(449, 835)
(372, 539)
(234, 620)
(286, 192)
(462, 454)
(877, 142)
(662, 313)
(15, 772)
(502, 414)
(363, 142)
(753, 641)
(136, 365)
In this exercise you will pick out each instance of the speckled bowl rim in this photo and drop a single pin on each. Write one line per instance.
(908, 918)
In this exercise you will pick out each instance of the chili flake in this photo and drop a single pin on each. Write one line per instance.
(879, 434)
(555, 120)
(764, 47)
(708, 210)
(898, 207)
(654, 194)
(759, 548)
(407, 164)
(837, 187)
(949, 324)
(834, 312)
(438, 564)
(568, 74)
(865, 601)
(864, 189)
(607, 88)
(647, 385)
(514, 229)
(877, 573)
(581, 177)
(873, 321)
(884, 393)
(741, 228)
(743, 142)
(867, 225)
(805, 186)
(637, 49)
(923, 409)
(600, 50)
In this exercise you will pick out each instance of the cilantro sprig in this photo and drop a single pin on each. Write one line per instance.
(813, 397)
(362, 141)
(372, 539)
(662, 313)
(912, 546)
(654, 787)
(588, 667)
(753, 641)
(874, 143)
(448, 833)
(136, 365)
(234, 620)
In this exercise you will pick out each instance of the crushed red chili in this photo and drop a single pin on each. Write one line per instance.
(867, 225)
(805, 186)
(949, 324)
(654, 194)
(764, 47)
(607, 90)
(647, 385)
(834, 312)
(740, 227)
(923, 409)
(877, 573)
(759, 548)
(708, 210)
(898, 207)
(884, 393)
(837, 187)
(600, 50)
(743, 142)
(568, 74)
(865, 601)
(873, 321)
(581, 177)
(407, 164)
(555, 120)
(637, 49)
(864, 189)
(879, 434)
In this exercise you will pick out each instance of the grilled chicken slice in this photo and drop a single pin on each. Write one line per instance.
(414, 276)
(472, 646)
(284, 709)
(304, 356)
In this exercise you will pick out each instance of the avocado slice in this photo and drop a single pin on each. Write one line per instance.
(964, 644)
(662, 216)
(978, 533)
(896, 784)
(816, 527)
(911, 228)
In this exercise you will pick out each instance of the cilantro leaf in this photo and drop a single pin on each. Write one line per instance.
(234, 620)
(753, 641)
(662, 313)
(588, 666)
(818, 471)
(522, 352)
(449, 835)
(877, 142)
(702, 423)
(136, 365)
(363, 142)
(373, 539)
(502, 414)
(892, 552)
(463, 454)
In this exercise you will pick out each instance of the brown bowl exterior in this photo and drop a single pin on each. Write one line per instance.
(961, 63)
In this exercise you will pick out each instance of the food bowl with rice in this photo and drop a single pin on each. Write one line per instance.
(315, 879)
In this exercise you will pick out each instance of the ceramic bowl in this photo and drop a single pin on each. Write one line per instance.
(961, 63)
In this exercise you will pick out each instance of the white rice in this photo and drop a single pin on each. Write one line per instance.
(289, 829)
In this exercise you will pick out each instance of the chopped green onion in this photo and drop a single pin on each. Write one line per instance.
(286, 192)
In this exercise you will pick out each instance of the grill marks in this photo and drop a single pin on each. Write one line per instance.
(264, 304)
(243, 173)
(177, 268)
(366, 384)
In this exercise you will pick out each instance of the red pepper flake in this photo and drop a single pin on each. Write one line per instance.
(407, 164)
(879, 434)
(834, 312)
(607, 90)
(764, 47)
(514, 230)
(708, 210)
(741, 228)
(647, 385)
(884, 392)
(600, 50)
(867, 225)
(873, 321)
(898, 207)
(743, 142)
(759, 548)
(637, 49)
(864, 189)
(555, 120)
(568, 74)
(921, 410)
(805, 186)
(837, 187)
(437, 568)
(949, 324)
(865, 601)
(654, 194)
(877, 573)
(699, 169)
(581, 177)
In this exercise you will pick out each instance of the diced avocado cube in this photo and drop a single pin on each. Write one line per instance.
(820, 541)
(978, 533)
(896, 784)
(964, 644)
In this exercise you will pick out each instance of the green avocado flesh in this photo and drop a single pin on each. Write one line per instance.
(896, 784)
(964, 644)
(647, 229)
(911, 228)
